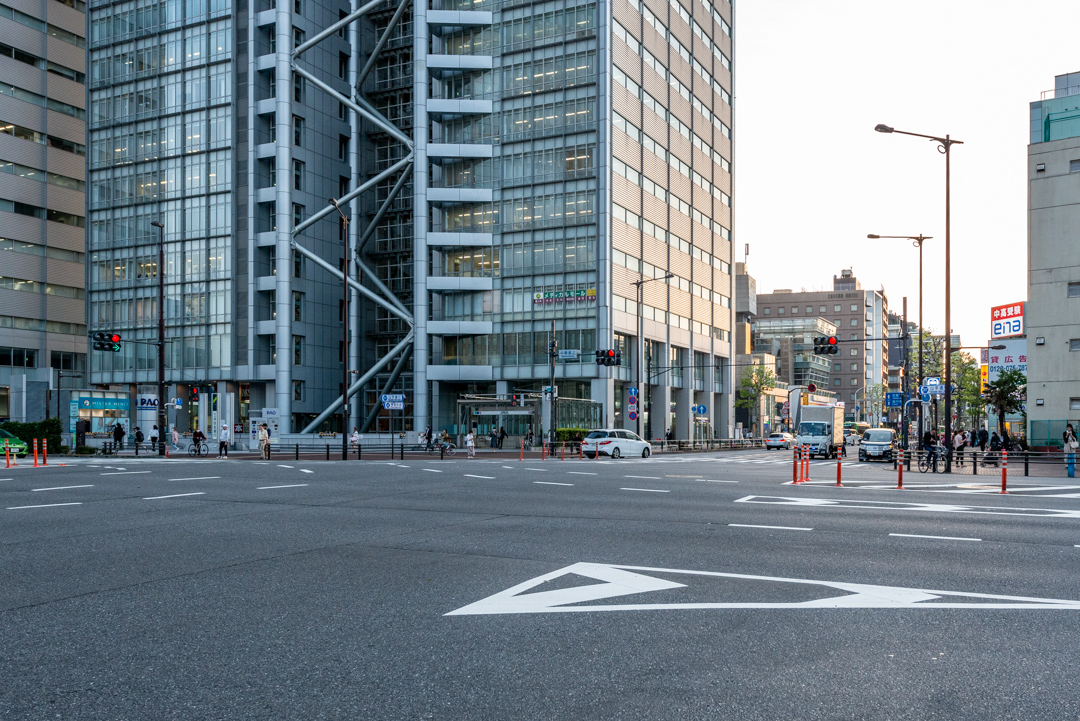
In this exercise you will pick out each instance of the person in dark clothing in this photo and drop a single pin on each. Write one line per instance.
(118, 436)
(139, 438)
(995, 449)
(983, 437)
(502, 436)
(928, 442)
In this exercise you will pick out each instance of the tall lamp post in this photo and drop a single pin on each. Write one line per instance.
(161, 337)
(641, 340)
(917, 241)
(944, 147)
(345, 343)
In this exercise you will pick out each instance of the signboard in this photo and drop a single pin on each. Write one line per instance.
(700, 410)
(894, 400)
(984, 373)
(925, 398)
(786, 410)
(565, 296)
(1006, 321)
(570, 354)
(933, 381)
(1012, 356)
(392, 398)
(394, 405)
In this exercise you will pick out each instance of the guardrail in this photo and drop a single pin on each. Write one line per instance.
(976, 462)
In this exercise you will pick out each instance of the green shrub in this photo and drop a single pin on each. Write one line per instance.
(570, 435)
(64, 450)
(48, 429)
(85, 451)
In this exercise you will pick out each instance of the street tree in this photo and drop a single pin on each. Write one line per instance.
(1006, 395)
(968, 381)
(755, 381)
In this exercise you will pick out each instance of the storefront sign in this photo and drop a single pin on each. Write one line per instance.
(565, 296)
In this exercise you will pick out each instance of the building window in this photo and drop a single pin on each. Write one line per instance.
(18, 357)
(854, 351)
(836, 366)
(854, 366)
(298, 131)
(780, 310)
(821, 309)
(794, 310)
(854, 322)
(1074, 290)
(298, 350)
(1074, 345)
(298, 306)
(836, 381)
(298, 390)
(854, 381)
(343, 147)
(342, 65)
(1074, 404)
(809, 309)
(768, 311)
(298, 7)
(837, 308)
(1074, 166)
(297, 214)
(298, 175)
(298, 36)
(854, 396)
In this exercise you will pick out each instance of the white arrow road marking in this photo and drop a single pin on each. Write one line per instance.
(624, 581)
(896, 506)
(59, 488)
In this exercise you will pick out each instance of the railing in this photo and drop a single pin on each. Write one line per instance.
(1060, 92)
(976, 462)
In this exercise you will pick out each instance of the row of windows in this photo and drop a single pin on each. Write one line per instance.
(34, 286)
(636, 221)
(547, 116)
(190, 303)
(184, 220)
(661, 108)
(837, 308)
(176, 177)
(27, 96)
(41, 26)
(41, 326)
(542, 74)
(42, 176)
(42, 64)
(153, 139)
(556, 208)
(190, 260)
(35, 211)
(548, 162)
(668, 318)
(20, 246)
(522, 32)
(507, 349)
(648, 270)
(562, 252)
(125, 20)
(34, 136)
(146, 99)
(661, 193)
(171, 52)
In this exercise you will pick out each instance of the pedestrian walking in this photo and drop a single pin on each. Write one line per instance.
(264, 442)
(1070, 446)
(354, 439)
(139, 438)
(958, 446)
(118, 436)
(175, 440)
(494, 439)
(470, 444)
(154, 438)
(502, 436)
(223, 441)
(983, 439)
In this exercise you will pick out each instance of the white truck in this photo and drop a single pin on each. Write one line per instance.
(821, 428)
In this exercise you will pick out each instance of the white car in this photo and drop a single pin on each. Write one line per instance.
(616, 443)
(779, 440)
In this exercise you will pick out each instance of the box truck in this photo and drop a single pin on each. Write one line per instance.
(821, 428)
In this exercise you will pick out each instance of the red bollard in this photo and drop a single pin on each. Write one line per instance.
(795, 466)
(7, 453)
(44, 451)
(521, 456)
(806, 464)
(564, 450)
(35, 453)
(838, 483)
(900, 472)
(581, 451)
(1004, 471)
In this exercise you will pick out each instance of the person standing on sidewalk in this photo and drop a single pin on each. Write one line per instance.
(1071, 444)
(154, 439)
(175, 440)
(118, 436)
(494, 439)
(223, 441)
(958, 446)
(470, 443)
(264, 442)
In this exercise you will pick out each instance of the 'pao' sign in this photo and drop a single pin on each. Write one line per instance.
(1007, 320)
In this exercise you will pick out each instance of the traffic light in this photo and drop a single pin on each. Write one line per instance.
(618, 357)
(826, 345)
(600, 356)
(107, 341)
(514, 400)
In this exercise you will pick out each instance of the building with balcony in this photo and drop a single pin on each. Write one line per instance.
(42, 208)
(508, 171)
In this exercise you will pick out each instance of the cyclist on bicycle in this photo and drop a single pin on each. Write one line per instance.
(197, 438)
(929, 442)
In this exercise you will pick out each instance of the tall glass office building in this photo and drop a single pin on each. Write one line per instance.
(507, 168)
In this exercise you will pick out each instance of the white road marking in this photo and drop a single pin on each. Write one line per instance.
(59, 488)
(647, 478)
(779, 528)
(583, 473)
(47, 505)
(197, 478)
(645, 490)
(489, 478)
(897, 506)
(281, 466)
(552, 483)
(124, 473)
(709, 480)
(175, 495)
(939, 538)
(291, 485)
(536, 469)
(430, 470)
(510, 467)
(304, 470)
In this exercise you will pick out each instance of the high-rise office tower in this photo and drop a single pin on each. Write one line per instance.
(42, 214)
(505, 168)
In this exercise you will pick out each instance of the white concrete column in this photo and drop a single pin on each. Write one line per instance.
(283, 216)
(421, 36)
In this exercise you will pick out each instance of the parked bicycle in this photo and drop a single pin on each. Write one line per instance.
(198, 449)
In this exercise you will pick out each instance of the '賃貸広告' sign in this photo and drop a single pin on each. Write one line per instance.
(1006, 320)
(1012, 357)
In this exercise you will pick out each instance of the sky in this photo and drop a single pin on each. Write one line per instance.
(812, 178)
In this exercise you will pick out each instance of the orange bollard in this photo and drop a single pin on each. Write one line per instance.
(521, 456)
(838, 483)
(581, 451)
(806, 464)
(44, 451)
(7, 453)
(543, 451)
(564, 450)
(1004, 471)
(35, 453)
(795, 465)
(900, 472)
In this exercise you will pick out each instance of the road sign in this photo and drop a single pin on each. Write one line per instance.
(938, 390)
(394, 405)
(632, 391)
(632, 400)
(933, 381)
(698, 409)
(632, 415)
(392, 397)
(786, 410)
(179, 402)
(925, 398)
(894, 400)
(569, 353)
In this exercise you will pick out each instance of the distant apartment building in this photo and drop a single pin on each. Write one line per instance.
(861, 321)
(42, 207)
(1052, 313)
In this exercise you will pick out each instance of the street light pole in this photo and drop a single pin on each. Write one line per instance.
(944, 147)
(641, 345)
(345, 342)
(917, 241)
(161, 337)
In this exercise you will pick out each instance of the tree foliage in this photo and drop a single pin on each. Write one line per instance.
(1006, 395)
(755, 380)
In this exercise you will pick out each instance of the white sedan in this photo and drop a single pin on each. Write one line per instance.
(779, 440)
(616, 443)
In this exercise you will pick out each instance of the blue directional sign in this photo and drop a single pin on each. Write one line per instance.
(394, 405)
(894, 400)
(392, 397)
(925, 398)
(633, 391)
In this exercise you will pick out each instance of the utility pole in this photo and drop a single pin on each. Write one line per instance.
(161, 337)
(553, 351)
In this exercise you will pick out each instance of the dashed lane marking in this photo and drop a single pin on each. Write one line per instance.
(580, 473)
(430, 470)
(60, 488)
(45, 505)
(281, 466)
(938, 538)
(124, 473)
(778, 528)
(487, 478)
(647, 478)
(552, 483)
(175, 495)
(645, 490)
(304, 470)
(536, 469)
(291, 485)
(197, 478)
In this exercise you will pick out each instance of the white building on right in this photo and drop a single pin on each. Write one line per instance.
(1053, 307)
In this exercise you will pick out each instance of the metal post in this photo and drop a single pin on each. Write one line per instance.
(948, 316)
(345, 342)
(160, 339)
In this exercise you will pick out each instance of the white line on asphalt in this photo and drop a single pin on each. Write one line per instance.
(552, 483)
(536, 469)
(281, 466)
(430, 470)
(489, 478)
(645, 490)
(47, 505)
(59, 488)
(124, 473)
(779, 528)
(291, 485)
(580, 473)
(709, 480)
(939, 538)
(304, 470)
(648, 478)
(175, 495)
(197, 478)
(511, 467)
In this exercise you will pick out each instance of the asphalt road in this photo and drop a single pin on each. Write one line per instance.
(683, 587)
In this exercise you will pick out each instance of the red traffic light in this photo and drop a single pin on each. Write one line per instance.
(832, 340)
(611, 354)
(115, 338)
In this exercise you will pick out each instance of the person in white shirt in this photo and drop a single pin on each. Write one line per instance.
(354, 439)
(223, 441)
(958, 446)
(470, 444)
(154, 438)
